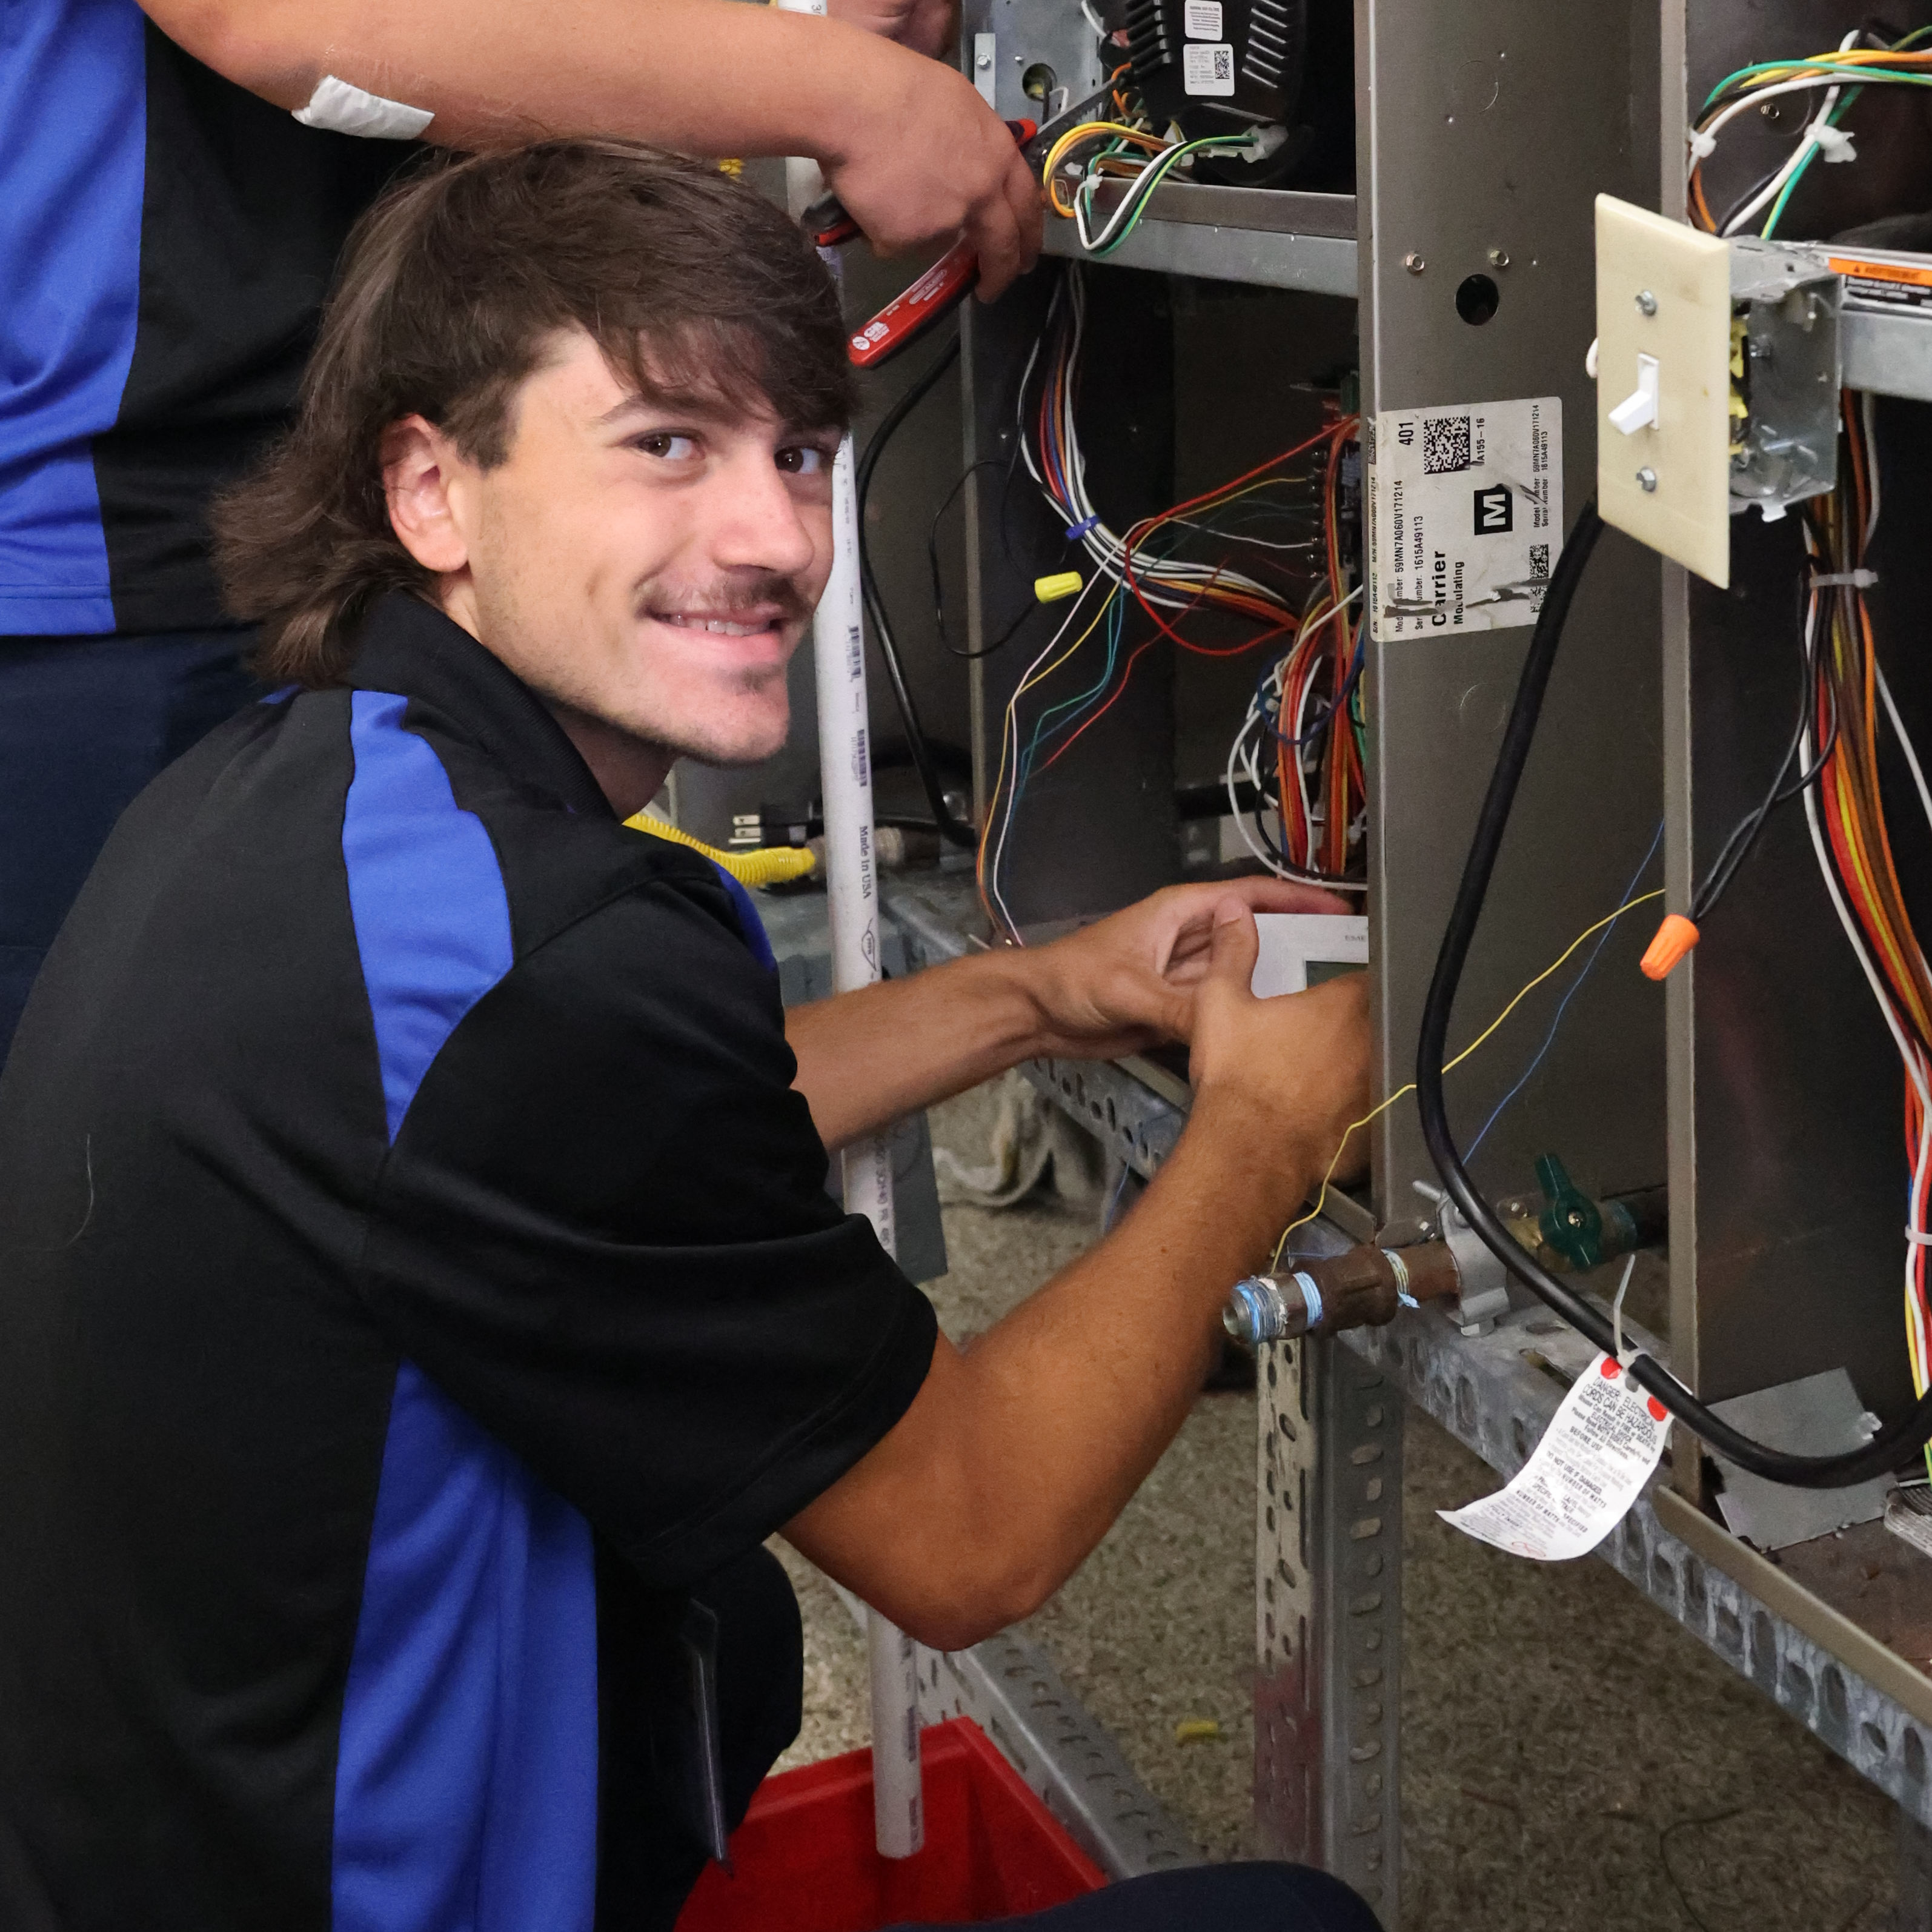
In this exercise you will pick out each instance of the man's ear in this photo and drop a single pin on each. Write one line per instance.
(419, 465)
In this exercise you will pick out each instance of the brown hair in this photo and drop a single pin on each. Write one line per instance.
(451, 287)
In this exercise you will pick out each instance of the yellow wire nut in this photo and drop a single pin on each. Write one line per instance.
(1063, 583)
(771, 865)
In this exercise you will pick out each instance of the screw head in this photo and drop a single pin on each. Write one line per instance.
(1646, 302)
(1646, 479)
(984, 62)
(1414, 262)
(1499, 258)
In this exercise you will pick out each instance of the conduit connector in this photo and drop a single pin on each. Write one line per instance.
(1674, 938)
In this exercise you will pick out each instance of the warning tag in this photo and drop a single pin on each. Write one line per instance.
(1882, 284)
(1465, 515)
(1596, 1453)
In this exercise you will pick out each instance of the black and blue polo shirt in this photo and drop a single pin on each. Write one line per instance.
(407, 1227)
(166, 240)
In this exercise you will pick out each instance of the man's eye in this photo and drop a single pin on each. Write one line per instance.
(669, 445)
(803, 460)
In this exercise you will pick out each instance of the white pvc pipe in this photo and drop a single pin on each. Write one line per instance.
(845, 768)
(851, 873)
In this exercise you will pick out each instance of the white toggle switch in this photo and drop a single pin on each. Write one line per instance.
(1638, 410)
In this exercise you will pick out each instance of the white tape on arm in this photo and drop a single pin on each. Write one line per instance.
(344, 110)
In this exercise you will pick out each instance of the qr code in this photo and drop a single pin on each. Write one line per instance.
(1224, 63)
(1539, 559)
(1445, 445)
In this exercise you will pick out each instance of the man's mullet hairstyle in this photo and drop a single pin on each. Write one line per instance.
(688, 281)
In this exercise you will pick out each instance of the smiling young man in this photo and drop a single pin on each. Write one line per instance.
(420, 1298)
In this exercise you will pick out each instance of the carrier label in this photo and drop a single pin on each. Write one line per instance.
(1594, 1460)
(1207, 69)
(1465, 515)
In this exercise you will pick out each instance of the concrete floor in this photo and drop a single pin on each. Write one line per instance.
(1571, 1757)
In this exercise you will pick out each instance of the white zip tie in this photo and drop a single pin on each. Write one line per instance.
(1834, 143)
(1703, 146)
(1624, 1356)
(1918, 1240)
(1851, 579)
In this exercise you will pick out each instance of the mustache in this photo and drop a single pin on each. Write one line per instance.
(727, 598)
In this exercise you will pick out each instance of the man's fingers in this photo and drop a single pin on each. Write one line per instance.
(1023, 194)
(1236, 945)
(996, 240)
(1268, 894)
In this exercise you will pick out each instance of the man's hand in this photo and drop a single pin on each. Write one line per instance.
(1297, 1065)
(928, 27)
(1009, 1465)
(1125, 982)
(926, 158)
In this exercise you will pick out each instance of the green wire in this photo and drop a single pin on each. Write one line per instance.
(1771, 221)
(1770, 66)
(1155, 175)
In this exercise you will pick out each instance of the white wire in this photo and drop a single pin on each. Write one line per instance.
(1868, 415)
(1093, 20)
(1915, 1070)
(1811, 139)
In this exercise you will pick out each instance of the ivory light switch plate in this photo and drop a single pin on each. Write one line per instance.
(1664, 327)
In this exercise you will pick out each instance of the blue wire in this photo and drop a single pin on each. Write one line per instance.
(1550, 1038)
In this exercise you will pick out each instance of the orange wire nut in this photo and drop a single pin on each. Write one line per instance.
(1674, 938)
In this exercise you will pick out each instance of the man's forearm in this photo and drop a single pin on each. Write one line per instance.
(1056, 1415)
(492, 75)
(868, 1058)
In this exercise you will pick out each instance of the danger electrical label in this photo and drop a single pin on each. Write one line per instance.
(1884, 284)
(1598, 1452)
(1465, 515)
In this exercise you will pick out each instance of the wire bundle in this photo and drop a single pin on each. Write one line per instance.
(1861, 60)
(1845, 812)
(1150, 569)
(1134, 149)
(1303, 742)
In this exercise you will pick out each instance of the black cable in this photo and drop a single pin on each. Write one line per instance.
(1743, 837)
(1006, 636)
(1892, 1445)
(954, 830)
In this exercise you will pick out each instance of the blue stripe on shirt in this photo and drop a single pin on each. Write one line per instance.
(73, 130)
(466, 1795)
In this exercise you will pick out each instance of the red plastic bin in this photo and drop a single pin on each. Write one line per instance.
(806, 1860)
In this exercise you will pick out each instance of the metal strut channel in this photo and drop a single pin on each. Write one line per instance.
(1007, 1686)
(1495, 1402)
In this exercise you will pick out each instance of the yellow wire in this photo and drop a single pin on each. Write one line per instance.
(1087, 131)
(769, 865)
(1009, 730)
(1588, 931)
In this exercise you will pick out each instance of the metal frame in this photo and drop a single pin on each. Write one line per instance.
(1328, 1611)
(1007, 1686)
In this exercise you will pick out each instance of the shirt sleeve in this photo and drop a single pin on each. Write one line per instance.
(603, 1230)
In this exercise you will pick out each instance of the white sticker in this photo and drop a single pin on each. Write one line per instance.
(1202, 19)
(1207, 69)
(344, 110)
(1595, 1456)
(1465, 515)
